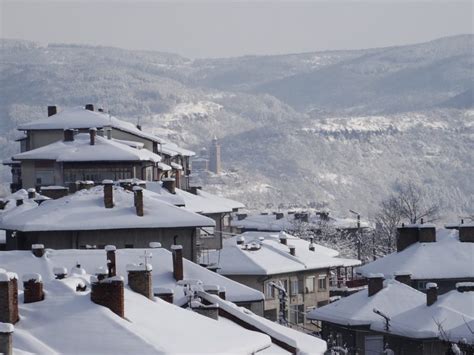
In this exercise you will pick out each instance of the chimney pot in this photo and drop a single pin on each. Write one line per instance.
(52, 110)
(90, 107)
(31, 193)
(37, 250)
(375, 282)
(177, 251)
(68, 135)
(283, 238)
(431, 293)
(92, 134)
(292, 250)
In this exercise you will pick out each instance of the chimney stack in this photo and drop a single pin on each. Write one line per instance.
(111, 265)
(108, 193)
(60, 272)
(90, 107)
(407, 235)
(68, 135)
(427, 233)
(109, 293)
(292, 250)
(170, 184)
(139, 279)
(241, 216)
(52, 110)
(211, 289)
(177, 251)
(431, 293)
(6, 338)
(404, 277)
(465, 286)
(166, 294)
(210, 311)
(92, 134)
(32, 288)
(466, 233)
(31, 193)
(240, 240)
(138, 200)
(222, 292)
(279, 215)
(375, 283)
(37, 250)
(9, 297)
(283, 238)
(19, 201)
(194, 189)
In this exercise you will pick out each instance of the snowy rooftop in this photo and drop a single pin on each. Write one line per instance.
(454, 311)
(68, 322)
(357, 309)
(203, 202)
(70, 212)
(444, 259)
(80, 149)
(269, 222)
(263, 254)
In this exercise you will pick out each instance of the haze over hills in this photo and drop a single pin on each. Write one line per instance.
(336, 129)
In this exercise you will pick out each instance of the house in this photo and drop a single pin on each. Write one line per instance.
(268, 262)
(49, 130)
(84, 156)
(294, 222)
(196, 200)
(101, 215)
(395, 316)
(443, 256)
(162, 307)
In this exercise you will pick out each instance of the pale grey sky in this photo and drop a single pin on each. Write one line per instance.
(231, 28)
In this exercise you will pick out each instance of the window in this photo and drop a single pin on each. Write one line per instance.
(294, 287)
(309, 284)
(322, 282)
(297, 314)
(269, 291)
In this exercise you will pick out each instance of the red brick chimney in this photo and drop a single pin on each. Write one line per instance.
(52, 110)
(68, 135)
(108, 193)
(32, 288)
(166, 294)
(177, 251)
(90, 107)
(404, 277)
(6, 338)
(9, 297)
(139, 279)
(375, 283)
(111, 262)
(169, 184)
(431, 293)
(138, 200)
(31, 193)
(37, 250)
(92, 135)
(109, 293)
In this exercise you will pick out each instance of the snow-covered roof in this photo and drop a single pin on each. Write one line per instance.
(269, 222)
(264, 254)
(358, 308)
(203, 202)
(70, 212)
(444, 259)
(304, 343)
(80, 149)
(453, 311)
(172, 149)
(68, 322)
(80, 118)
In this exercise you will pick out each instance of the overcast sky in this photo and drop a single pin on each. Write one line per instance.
(230, 28)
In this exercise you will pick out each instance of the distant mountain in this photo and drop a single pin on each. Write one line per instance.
(333, 129)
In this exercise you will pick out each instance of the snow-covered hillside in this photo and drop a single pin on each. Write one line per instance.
(334, 129)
